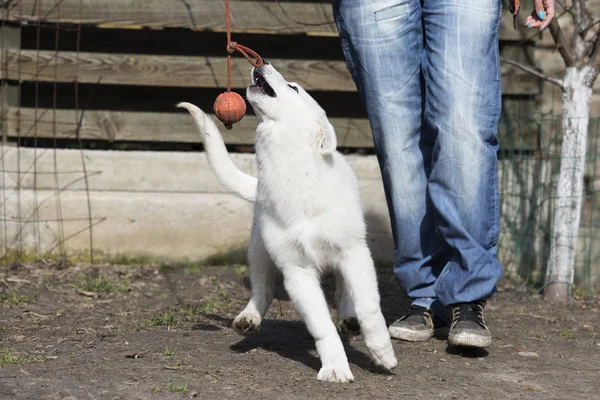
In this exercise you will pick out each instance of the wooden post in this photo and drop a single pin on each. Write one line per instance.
(10, 40)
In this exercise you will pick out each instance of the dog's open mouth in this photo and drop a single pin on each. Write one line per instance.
(261, 83)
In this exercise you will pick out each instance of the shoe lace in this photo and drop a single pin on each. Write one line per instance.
(469, 311)
(416, 312)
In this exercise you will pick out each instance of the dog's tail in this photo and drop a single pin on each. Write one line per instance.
(242, 184)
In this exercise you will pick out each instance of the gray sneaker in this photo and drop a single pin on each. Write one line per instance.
(468, 327)
(416, 326)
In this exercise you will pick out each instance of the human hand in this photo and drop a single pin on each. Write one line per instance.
(542, 15)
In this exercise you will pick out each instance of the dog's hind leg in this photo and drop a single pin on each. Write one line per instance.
(262, 281)
(346, 316)
(303, 287)
(358, 271)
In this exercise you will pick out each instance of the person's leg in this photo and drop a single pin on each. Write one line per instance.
(462, 75)
(382, 41)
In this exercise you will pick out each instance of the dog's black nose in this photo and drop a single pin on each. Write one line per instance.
(265, 62)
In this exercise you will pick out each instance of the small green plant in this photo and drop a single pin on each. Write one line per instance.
(30, 257)
(165, 267)
(175, 364)
(188, 312)
(541, 336)
(97, 285)
(171, 388)
(189, 267)
(178, 389)
(567, 334)
(8, 358)
(240, 269)
(194, 268)
(168, 352)
(209, 306)
(583, 292)
(203, 307)
(14, 298)
(162, 320)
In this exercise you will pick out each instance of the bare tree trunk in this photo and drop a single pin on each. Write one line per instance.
(567, 213)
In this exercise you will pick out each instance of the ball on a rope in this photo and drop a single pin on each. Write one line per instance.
(229, 108)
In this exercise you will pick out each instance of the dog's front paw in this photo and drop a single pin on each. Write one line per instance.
(382, 354)
(246, 321)
(335, 373)
(349, 326)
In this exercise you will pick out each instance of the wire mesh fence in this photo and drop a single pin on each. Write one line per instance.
(528, 192)
(50, 85)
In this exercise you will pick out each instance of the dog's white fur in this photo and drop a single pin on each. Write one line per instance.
(307, 219)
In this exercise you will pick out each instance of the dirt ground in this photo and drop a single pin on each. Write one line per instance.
(150, 332)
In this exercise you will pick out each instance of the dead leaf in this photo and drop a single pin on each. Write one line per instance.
(17, 280)
(530, 388)
(528, 354)
(88, 294)
(35, 314)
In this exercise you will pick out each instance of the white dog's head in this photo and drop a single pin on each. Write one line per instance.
(288, 105)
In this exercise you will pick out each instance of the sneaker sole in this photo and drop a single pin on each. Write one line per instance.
(409, 335)
(465, 339)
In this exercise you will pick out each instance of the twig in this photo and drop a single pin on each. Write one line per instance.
(580, 16)
(532, 71)
(566, 9)
(36, 314)
(280, 309)
(17, 280)
(211, 374)
(594, 63)
(562, 43)
(563, 5)
(590, 26)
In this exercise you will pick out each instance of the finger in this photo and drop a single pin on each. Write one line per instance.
(532, 21)
(540, 10)
(549, 14)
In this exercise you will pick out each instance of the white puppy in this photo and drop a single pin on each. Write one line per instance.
(307, 220)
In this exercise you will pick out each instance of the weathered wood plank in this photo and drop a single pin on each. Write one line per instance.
(180, 71)
(157, 127)
(10, 39)
(247, 16)
(178, 128)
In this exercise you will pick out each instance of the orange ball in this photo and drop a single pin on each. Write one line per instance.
(230, 108)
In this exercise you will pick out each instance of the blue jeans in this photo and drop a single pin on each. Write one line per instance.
(428, 73)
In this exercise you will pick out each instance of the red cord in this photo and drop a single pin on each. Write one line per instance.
(232, 47)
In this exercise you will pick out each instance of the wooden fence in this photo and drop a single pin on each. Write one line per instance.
(107, 74)
(127, 62)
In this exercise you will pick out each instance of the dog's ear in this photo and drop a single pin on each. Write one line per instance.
(327, 140)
